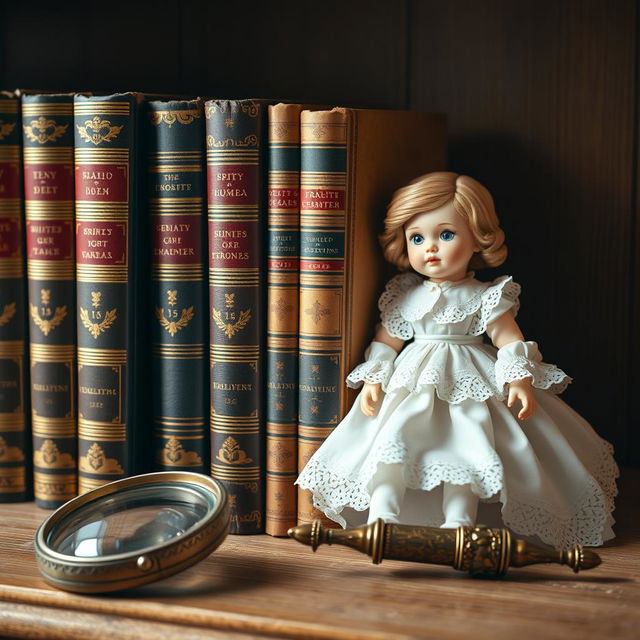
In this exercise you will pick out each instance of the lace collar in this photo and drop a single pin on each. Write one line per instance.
(449, 301)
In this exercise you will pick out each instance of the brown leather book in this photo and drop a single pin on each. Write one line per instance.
(352, 162)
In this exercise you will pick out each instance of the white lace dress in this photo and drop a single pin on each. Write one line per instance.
(444, 418)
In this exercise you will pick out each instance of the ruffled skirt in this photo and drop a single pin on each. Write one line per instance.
(552, 474)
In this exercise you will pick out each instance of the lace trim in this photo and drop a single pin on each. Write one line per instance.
(389, 303)
(483, 302)
(590, 519)
(374, 371)
(463, 384)
(333, 491)
(544, 376)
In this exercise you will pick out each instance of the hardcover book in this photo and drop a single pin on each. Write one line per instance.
(15, 449)
(236, 148)
(283, 261)
(107, 250)
(179, 293)
(47, 129)
(352, 162)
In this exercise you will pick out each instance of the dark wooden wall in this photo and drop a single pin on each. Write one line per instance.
(542, 104)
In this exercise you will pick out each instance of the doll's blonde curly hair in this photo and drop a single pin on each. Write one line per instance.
(426, 193)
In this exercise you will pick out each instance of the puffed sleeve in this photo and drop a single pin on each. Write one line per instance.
(500, 296)
(390, 303)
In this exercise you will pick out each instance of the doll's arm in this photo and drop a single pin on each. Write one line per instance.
(504, 331)
(372, 391)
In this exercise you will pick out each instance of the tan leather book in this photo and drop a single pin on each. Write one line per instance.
(352, 162)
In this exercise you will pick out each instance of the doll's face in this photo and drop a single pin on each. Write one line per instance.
(440, 244)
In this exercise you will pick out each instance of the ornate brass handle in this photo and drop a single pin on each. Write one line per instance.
(482, 551)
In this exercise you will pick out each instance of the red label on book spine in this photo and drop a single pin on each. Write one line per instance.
(176, 240)
(284, 265)
(10, 237)
(9, 180)
(322, 199)
(102, 183)
(49, 239)
(233, 184)
(101, 243)
(48, 182)
(321, 265)
(233, 244)
(284, 199)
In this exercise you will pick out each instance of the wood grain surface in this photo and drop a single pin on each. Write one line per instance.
(258, 586)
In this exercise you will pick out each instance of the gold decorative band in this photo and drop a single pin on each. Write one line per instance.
(103, 431)
(12, 348)
(9, 106)
(105, 357)
(47, 109)
(52, 352)
(89, 484)
(13, 480)
(47, 486)
(53, 427)
(55, 155)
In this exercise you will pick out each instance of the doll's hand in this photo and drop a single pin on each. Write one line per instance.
(369, 397)
(521, 390)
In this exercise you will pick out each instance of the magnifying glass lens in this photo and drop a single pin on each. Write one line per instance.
(130, 521)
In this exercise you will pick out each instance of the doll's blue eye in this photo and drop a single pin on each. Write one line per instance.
(447, 235)
(416, 238)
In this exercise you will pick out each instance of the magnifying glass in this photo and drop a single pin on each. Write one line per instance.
(132, 532)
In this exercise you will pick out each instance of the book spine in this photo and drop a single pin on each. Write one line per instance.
(49, 201)
(283, 263)
(322, 282)
(236, 206)
(14, 400)
(105, 135)
(177, 192)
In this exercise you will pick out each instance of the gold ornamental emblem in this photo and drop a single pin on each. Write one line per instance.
(229, 329)
(46, 326)
(175, 325)
(183, 116)
(231, 453)
(174, 453)
(105, 321)
(97, 461)
(49, 457)
(101, 131)
(6, 128)
(7, 313)
(10, 454)
(43, 130)
(96, 328)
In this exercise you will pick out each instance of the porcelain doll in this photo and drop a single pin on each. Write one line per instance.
(444, 420)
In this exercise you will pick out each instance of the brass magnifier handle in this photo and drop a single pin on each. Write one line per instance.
(482, 551)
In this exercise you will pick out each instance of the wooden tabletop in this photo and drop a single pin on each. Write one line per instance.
(258, 586)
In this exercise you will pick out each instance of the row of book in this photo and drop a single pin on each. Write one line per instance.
(184, 285)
